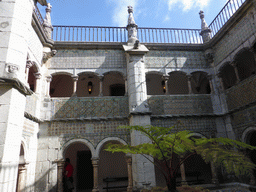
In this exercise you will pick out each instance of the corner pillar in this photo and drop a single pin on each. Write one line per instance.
(95, 164)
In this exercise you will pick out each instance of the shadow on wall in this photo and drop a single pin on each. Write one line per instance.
(42, 183)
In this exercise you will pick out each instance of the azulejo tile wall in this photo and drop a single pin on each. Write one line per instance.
(94, 131)
(242, 120)
(187, 104)
(239, 96)
(203, 125)
(93, 107)
(243, 30)
(88, 59)
(175, 59)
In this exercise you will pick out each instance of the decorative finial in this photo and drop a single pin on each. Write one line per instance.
(130, 9)
(47, 21)
(131, 27)
(205, 30)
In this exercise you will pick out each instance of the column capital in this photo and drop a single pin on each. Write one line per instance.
(189, 76)
(95, 161)
(209, 77)
(49, 78)
(29, 63)
(101, 77)
(233, 63)
(165, 77)
(37, 75)
(75, 77)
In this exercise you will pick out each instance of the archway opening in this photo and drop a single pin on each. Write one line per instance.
(61, 86)
(113, 84)
(31, 78)
(251, 140)
(112, 165)
(88, 85)
(155, 84)
(178, 83)
(228, 75)
(80, 157)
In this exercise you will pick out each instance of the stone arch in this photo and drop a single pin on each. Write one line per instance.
(86, 79)
(113, 84)
(249, 137)
(245, 63)
(178, 83)
(200, 83)
(25, 149)
(155, 83)
(196, 135)
(80, 152)
(228, 75)
(61, 84)
(100, 145)
(246, 134)
(111, 164)
(83, 141)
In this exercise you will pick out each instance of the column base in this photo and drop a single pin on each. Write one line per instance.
(215, 181)
(129, 189)
(95, 190)
(184, 182)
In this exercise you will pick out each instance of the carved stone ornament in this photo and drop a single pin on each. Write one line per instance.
(12, 68)
(209, 55)
(47, 21)
(205, 30)
(48, 55)
(132, 26)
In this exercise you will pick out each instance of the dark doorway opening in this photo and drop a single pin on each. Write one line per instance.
(252, 141)
(117, 90)
(84, 170)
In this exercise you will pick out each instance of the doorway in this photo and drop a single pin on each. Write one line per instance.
(84, 170)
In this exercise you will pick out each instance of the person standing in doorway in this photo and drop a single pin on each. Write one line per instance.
(68, 176)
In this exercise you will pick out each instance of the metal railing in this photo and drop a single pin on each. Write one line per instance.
(119, 34)
(224, 15)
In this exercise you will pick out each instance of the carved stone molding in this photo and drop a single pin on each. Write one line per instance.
(17, 84)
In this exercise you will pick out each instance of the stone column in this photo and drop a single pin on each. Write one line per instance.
(22, 173)
(75, 79)
(60, 165)
(189, 84)
(38, 77)
(221, 82)
(236, 71)
(183, 174)
(166, 78)
(209, 77)
(48, 81)
(95, 164)
(214, 174)
(29, 64)
(101, 77)
(126, 88)
(129, 168)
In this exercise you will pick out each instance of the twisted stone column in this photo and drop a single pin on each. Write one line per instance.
(166, 78)
(75, 79)
(101, 77)
(48, 81)
(183, 174)
(38, 77)
(189, 84)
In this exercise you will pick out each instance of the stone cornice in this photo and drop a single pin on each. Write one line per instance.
(32, 118)
(17, 84)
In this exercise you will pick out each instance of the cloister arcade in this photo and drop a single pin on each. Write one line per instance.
(240, 68)
(113, 83)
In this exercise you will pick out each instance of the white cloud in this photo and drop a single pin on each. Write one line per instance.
(187, 4)
(120, 14)
(167, 18)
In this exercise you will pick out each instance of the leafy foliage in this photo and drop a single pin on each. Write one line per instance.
(165, 143)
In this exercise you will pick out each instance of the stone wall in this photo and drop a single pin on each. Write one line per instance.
(175, 59)
(93, 131)
(203, 125)
(180, 104)
(93, 107)
(88, 59)
(242, 120)
(234, 38)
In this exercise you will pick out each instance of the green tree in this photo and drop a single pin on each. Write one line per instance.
(165, 143)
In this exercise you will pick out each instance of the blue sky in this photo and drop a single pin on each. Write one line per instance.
(147, 13)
